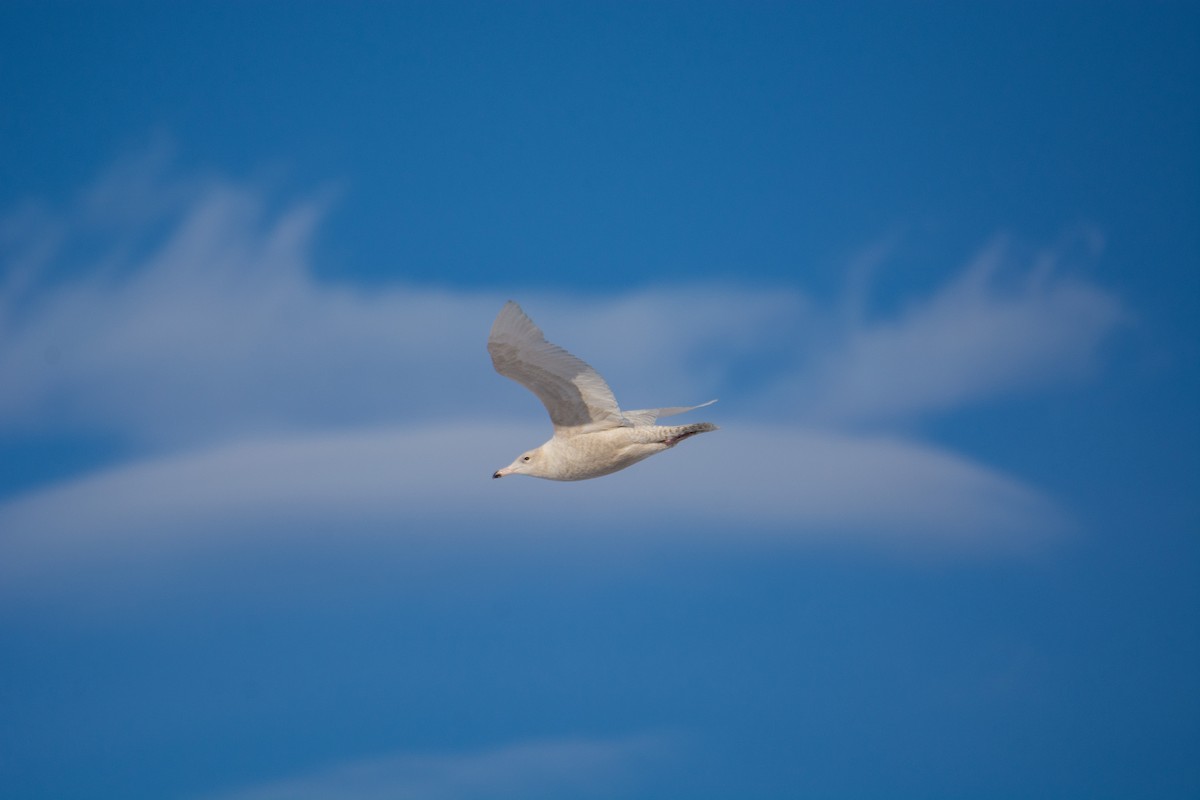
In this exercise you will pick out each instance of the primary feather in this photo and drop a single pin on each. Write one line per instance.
(576, 397)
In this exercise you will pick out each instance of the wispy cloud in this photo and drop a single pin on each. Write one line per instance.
(997, 327)
(217, 327)
(554, 768)
(199, 317)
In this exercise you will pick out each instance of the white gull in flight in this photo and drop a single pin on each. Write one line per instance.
(592, 436)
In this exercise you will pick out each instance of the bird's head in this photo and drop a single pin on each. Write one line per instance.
(529, 463)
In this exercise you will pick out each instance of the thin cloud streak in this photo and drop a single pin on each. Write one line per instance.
(553, 768)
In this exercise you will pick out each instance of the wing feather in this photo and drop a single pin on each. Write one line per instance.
(576, 397)
(648, 416)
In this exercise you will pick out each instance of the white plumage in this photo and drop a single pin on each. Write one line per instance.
(592, 436)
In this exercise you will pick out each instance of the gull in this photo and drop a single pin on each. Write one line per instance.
(592, 436)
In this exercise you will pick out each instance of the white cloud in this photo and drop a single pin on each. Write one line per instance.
(195, 326)
(554, 768)
(738, 484)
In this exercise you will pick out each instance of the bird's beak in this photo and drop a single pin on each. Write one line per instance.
(500, 473)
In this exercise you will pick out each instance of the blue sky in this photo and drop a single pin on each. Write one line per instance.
(938, 261)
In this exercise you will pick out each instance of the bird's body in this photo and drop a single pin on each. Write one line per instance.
(592, 436)
(590, 455)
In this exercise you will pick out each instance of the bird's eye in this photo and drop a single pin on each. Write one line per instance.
(526, 458)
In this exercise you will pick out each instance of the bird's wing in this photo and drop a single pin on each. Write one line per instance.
(647, 416)
(576, 396)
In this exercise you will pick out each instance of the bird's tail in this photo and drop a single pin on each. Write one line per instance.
(674, 434)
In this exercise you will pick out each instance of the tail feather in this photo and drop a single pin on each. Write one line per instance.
(677, 433)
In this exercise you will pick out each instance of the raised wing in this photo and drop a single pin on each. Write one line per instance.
(574, 394)
(648, 416)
